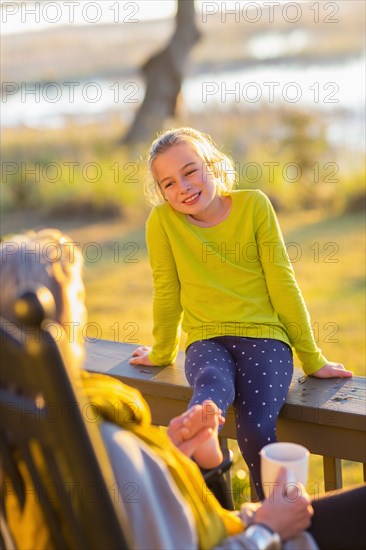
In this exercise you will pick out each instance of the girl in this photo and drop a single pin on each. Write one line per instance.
(221, 272)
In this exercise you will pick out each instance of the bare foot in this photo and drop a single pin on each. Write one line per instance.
(208, 454)
(187, 433)
(180, 428)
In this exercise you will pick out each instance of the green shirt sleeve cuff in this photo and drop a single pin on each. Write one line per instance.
(158, 362)
(311, 366)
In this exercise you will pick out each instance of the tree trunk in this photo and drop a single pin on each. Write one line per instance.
(163, 74)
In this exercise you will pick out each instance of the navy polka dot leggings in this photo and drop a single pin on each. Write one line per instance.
(252, 373)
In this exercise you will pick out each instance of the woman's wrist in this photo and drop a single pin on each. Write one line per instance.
(263, 537)
(265, 526)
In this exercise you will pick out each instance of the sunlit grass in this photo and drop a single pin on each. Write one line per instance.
(331, 274)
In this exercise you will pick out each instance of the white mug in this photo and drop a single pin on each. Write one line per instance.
(294, 458)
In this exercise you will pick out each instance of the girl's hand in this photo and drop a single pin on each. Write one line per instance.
(140, 356)
(332, 370)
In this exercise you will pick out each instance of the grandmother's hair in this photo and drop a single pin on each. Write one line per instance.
(219, 164)
(47, 258)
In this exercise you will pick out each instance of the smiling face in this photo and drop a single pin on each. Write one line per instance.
(186, 182)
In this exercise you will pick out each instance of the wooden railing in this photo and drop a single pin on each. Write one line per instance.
(326, 416)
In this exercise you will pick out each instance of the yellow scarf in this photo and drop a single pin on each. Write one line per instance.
(125, 406)
(116, 402)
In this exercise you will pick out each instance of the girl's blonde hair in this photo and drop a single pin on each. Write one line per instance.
(220, 165)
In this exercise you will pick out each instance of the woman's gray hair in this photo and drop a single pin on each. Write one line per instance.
(37, 258)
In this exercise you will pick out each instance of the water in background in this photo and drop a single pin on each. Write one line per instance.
(336, 89)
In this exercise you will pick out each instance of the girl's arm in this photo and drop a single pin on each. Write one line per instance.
(285, 293)
(167, 309)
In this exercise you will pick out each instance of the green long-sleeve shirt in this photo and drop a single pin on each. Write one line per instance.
(234, 278)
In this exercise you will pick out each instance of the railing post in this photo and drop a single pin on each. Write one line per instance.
(253, 492)
(332, 473)
(229, 500)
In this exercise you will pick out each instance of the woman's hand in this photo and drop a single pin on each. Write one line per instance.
(140, 356)
(288, 515)
(332, 370)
